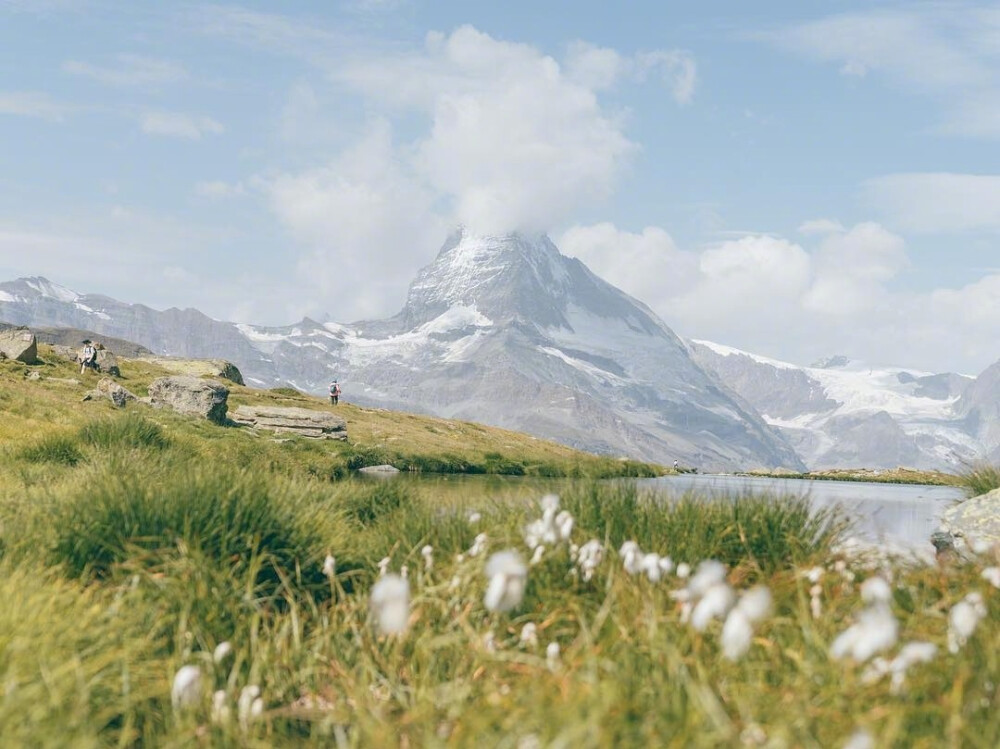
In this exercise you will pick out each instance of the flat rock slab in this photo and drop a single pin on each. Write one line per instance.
(303, 421)
(191, 395)
(18, 344)
(976, 519)
(198, 367)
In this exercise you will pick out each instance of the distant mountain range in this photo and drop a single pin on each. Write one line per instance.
(841, 412)
(505, 330)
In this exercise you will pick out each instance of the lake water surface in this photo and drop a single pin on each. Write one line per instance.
(898, 515)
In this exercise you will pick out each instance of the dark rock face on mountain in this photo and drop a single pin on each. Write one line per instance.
(979, 407)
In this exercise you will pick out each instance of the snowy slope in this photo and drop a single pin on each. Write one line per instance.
(507, 331)
(851, 413)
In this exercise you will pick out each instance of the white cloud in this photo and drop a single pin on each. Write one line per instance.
(851, 268)
(130, 70)
(937, 202)
(649, 266)
(180, 125)
(601, 68)
(32, 104)
(513, 140)
(945, 52)
(836, 294)
(368, 224)
(820, 226)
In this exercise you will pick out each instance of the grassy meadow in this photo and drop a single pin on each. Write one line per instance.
(135, 543)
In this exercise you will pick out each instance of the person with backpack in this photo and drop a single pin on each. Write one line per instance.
(334, 393)
(88, 358)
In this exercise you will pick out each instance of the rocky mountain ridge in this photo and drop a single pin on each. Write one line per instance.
(498, 329)
(841, 412)
(505, 330)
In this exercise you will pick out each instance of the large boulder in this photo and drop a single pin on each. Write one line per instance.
(19, 344)
(107, 363)
(303, 421)
(191, 395)
(198, 367)
(108, 388)
(977, 520)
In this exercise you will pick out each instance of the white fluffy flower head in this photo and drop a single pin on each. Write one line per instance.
(390, 604)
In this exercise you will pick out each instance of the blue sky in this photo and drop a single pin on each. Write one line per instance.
(798, 179)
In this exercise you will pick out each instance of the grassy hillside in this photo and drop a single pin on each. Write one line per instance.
(170, 582)
(35, 408)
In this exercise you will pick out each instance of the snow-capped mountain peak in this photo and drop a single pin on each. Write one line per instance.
(34, 287)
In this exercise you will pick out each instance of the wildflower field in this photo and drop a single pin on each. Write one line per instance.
(172, 583)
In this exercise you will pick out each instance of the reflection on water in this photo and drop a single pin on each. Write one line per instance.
(898, 514)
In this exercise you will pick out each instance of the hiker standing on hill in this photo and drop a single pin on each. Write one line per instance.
(88, 358)
(334, 393)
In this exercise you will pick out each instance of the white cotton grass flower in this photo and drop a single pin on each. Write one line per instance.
(383, 566)
(508, 576)
(564, 525)
(756, 603)
(709, 573)
(714, 604)
(478, 545)
(666, 565)
(404, 572)
(549, 503)
(536, 557)
(552, 655)
(875, 630)
(683, 570)
(992, 576)
(814, 575)
(330, 566)
(632, 557)
(221, 712)
(860, 739)
(815, 602)
(186, 691)
(963, 619)
(651, 566)
(474, 517)
(222, 651)
(427, 552)
(910, 654)
(876, 589)
(390, 604)
(529, 635)
(589, 558)
(737, 633)
(250, 705)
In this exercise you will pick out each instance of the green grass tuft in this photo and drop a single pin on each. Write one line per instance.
(230, 517)
(127, 431)
(980, 479)
(54, 448)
